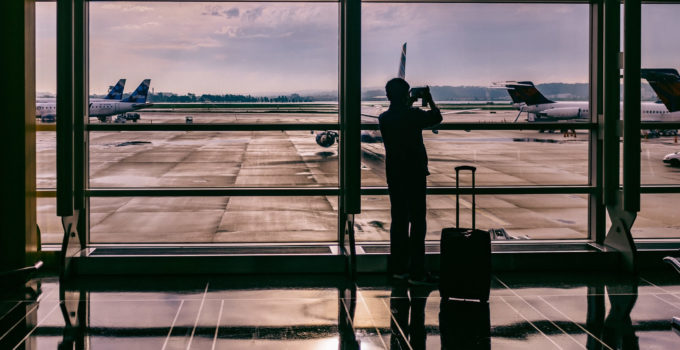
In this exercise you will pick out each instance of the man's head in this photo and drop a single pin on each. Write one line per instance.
(397, 91)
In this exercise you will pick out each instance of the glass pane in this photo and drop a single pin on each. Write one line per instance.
(462, 50)
(213, 219)
(503, 158)
(658, 217)
(51, 231)
(659, 162)
(46, 159)
(46, 141)
(521, 216)
(214, 62)
(211, 159)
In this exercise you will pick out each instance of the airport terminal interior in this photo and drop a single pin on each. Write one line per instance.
(215, 175)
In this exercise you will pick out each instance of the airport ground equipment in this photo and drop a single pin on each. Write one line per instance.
(465, 255)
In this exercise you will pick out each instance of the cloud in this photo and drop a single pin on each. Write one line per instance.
(232, 12)
(136, 26)
(253, 14)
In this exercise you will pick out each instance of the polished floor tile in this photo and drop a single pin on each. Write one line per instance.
(525, 311)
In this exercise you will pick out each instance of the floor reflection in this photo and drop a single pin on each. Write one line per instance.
(552, 311)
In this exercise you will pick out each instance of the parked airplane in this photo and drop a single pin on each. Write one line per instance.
(327, 138)
(527, 98)
(103, 109)
(666, 84)
(115, 93)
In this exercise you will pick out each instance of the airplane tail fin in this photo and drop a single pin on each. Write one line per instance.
(116, 92)
(402, 63)
(526, 92)
(140, 94)
(666, 84)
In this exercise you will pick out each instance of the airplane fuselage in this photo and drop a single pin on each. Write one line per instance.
(97, 108)
(650, 111)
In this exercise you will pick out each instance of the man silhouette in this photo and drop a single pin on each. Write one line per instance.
(401, 127)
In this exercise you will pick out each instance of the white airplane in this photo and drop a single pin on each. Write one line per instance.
(327, 138)
(115, 93)
(526, 97)
(101, 109)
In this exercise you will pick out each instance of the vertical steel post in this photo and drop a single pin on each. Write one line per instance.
(596, 208)
(341, 119)
(351, 108)
(631, 105)
(19, 243)
(80, 112)
(611, 104)
(65, 12)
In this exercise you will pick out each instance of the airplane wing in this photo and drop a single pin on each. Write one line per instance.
(372, 111)
(460, 111)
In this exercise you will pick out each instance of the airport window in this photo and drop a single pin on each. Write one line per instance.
(512, 217)
(46, 137)
(477, 60)
(220, 219)
(240, 100)
(259, 80)
(660, 171)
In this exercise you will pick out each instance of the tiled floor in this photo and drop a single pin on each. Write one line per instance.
(525, 311)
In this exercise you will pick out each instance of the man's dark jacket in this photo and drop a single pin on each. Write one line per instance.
(402, 134)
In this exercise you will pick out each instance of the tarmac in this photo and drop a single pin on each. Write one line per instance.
(154, 159)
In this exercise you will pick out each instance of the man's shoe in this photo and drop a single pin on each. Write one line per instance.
(424, 280)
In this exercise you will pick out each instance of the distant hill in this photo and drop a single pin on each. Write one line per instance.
(554, 91)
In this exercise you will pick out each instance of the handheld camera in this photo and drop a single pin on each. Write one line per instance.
(420, 93)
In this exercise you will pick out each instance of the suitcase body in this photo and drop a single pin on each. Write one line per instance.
(465, 257)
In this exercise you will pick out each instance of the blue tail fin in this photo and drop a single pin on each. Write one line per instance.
(140, 94)
(666, 84)
(116, 92)
(402, 63)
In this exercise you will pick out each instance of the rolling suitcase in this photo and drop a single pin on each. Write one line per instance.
(465, 258)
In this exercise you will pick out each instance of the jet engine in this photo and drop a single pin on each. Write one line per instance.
(326, 138)
(564, 113)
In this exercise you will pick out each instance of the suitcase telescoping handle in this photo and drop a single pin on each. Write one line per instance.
(458, 169)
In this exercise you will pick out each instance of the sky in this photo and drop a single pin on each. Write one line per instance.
(283, 48)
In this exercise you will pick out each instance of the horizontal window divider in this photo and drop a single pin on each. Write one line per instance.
(211, 127)
(212, 192)
(46, 127)
(486, 1)
(651, 189)
(46, 193)
(494, 190)
(502, 126)
(660, 125)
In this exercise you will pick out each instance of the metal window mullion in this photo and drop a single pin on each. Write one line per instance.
(596, 208)
(350, 109)
(65, 72)
(611, 107)
(502, 126)
(81, 111)
(212, 127)
(492, 190)
(211, 192)
(631, 105)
